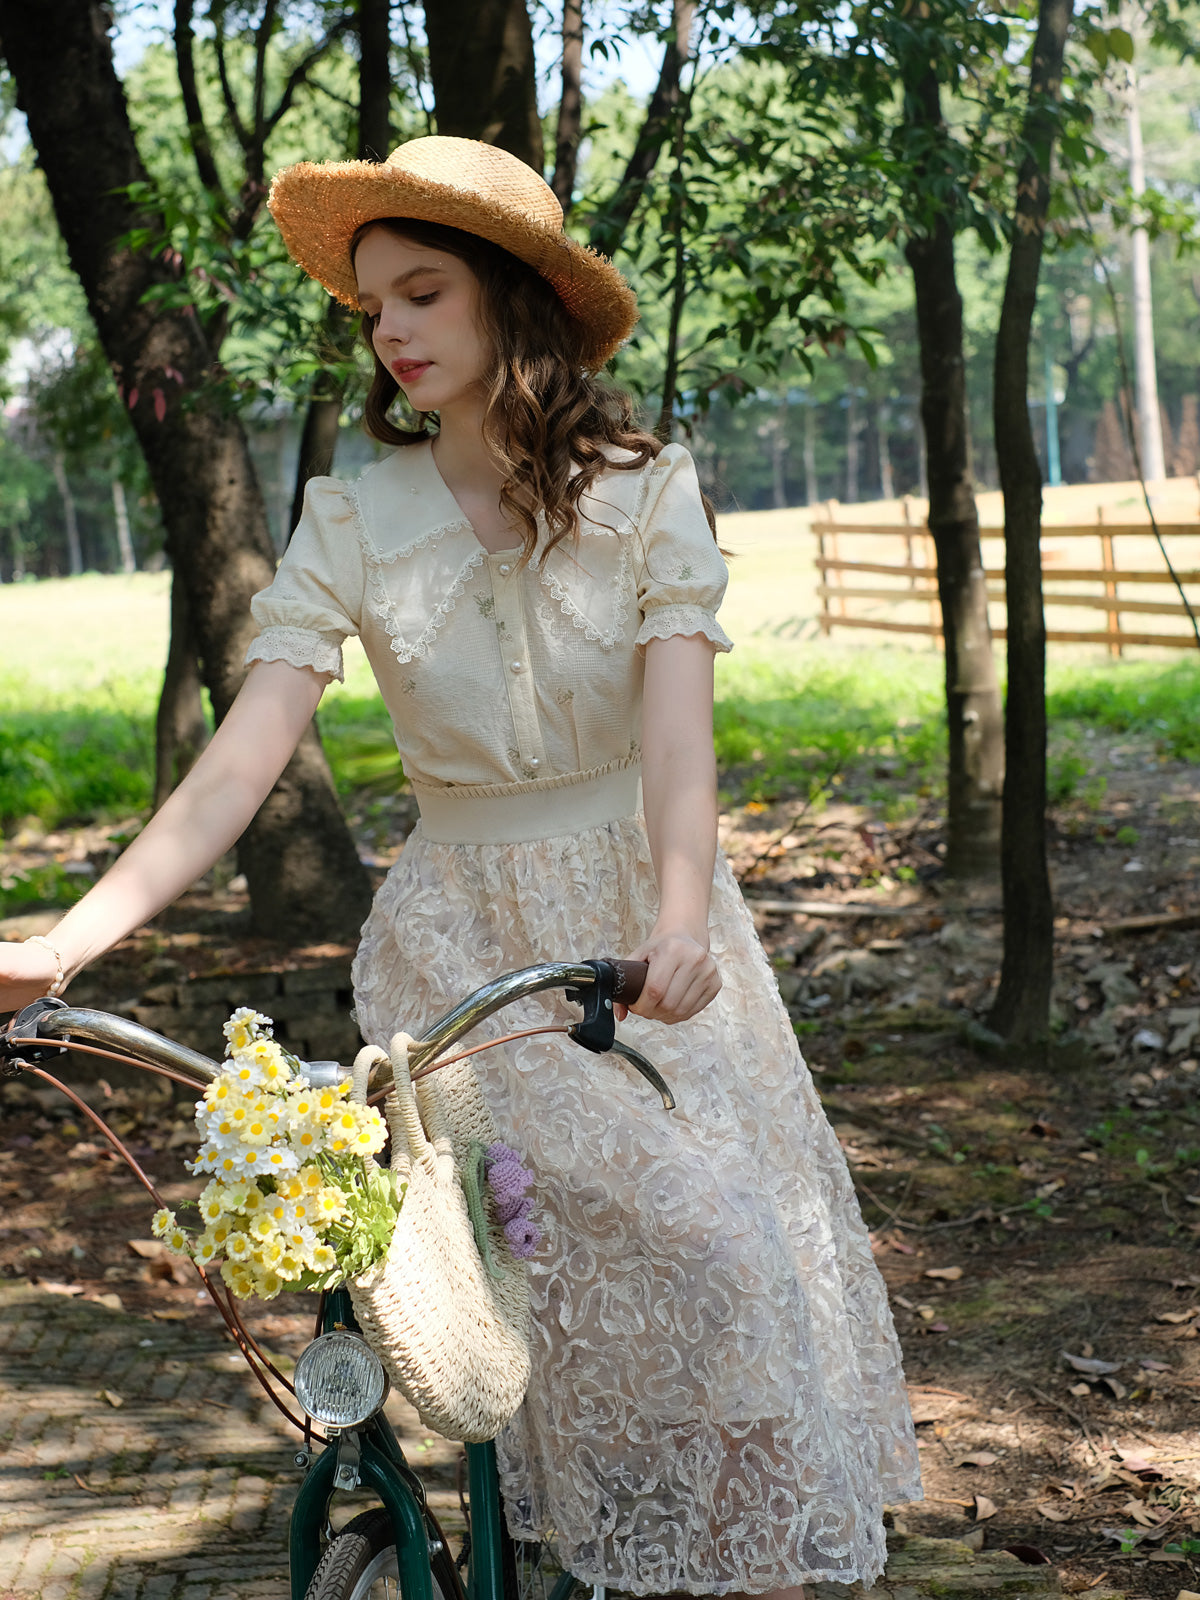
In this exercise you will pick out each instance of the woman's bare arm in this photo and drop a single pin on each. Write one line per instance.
(679, 785)
(205, 815)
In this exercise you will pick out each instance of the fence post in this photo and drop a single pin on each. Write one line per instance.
(1109, 564)
(834, 568)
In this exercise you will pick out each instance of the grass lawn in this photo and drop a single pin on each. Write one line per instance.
(795, 714)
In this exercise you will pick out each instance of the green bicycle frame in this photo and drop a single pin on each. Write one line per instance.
(383, 1469)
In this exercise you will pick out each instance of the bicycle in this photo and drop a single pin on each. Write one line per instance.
(396, 1548)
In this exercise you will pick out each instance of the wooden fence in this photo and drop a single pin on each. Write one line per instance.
(848, 602)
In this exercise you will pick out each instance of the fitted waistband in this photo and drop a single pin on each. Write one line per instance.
(518, 813)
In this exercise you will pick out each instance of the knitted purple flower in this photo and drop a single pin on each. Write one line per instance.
(510, 1181)
(523, 1237)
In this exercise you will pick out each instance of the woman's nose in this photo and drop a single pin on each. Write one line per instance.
(392, 326)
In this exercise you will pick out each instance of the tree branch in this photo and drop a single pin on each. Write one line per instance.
(217, 14)
(609, 226)
(262, 41)
(297, 78)
(570, 107)
(185, 66)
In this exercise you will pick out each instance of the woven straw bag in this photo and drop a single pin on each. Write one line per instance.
(452, 1334)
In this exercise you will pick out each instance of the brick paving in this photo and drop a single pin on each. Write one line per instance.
(181, 1491)
(140, 1461)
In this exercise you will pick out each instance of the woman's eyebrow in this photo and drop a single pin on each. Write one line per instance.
(402, 279)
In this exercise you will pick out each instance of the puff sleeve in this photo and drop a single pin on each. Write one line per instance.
(682, 575)
(316, 599)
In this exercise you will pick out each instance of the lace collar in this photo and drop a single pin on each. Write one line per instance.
(402, 505)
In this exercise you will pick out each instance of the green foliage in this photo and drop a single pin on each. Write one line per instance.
(373, 1201)
(828, 722)
(1139, 695)
(67, 759)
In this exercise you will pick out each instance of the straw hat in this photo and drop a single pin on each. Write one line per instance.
(462, 184)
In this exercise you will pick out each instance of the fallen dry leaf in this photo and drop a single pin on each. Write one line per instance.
(1187, 1594)
(947, 1274)
(1178, 1316)
(1114, 1387)
(48, 1286)
(984, 1508)
(1090, 1364)
(113, 1398)
(979, 1458)
(973, 1539)
(926, 1313)
(1080, 1389)
(1053, 1513)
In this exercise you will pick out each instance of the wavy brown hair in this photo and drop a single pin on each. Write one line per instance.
(545, 415)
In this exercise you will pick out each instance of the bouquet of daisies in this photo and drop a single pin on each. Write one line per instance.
(295, 1200)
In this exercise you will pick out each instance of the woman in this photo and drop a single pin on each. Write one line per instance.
(717, 1405)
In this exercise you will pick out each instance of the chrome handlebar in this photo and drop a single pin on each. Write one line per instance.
(59, 1024)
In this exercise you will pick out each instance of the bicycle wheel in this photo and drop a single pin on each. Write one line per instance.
(360, 1564)
(532, 1571)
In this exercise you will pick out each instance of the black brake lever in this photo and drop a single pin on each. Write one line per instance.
(15, 1058)
(598, 1029)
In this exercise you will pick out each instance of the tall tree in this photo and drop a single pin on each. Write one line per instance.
(323, 414)
(1021, 1011)
(974, 719)
(482, 68)
(298, 858)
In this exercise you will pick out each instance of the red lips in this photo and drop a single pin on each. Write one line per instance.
(409, 371)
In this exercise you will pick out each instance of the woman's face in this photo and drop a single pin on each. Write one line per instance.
(423, 309)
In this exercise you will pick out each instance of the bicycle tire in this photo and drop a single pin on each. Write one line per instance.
(360, 1564)
(532, 1571)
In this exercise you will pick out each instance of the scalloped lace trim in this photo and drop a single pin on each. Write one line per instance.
(299, 647)
(381, 603)
(618, 588)
(665, 622)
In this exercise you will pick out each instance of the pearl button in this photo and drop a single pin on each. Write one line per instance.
(517, 666)
(534, 762)
(505, 569)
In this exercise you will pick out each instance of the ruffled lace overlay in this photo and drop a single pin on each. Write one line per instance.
(717, 1401)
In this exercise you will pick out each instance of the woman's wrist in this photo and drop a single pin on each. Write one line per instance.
(59, 982)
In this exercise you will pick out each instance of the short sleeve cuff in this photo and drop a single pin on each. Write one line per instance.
(299, 647)
(667, 622)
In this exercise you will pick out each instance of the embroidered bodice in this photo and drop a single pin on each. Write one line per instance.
(494, 672)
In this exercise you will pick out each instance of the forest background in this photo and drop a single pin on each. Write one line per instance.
(827, 407)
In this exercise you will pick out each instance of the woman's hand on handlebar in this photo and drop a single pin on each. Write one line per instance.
(26, 973)
(682, 979)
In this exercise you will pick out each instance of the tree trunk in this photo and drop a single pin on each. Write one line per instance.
(812, 487)
(180, 726)
(303, 870)
(1150, 433)
(323, 415)
(121, 518)
(482, 69)
(852, 433)
(883, 424)
(70, 519)
(609, 226)
(570, 106)
(974, 720)
(1021, 1011)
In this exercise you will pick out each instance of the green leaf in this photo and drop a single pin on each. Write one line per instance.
(1120, 44)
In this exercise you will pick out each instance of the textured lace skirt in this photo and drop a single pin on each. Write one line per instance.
(717, 1401)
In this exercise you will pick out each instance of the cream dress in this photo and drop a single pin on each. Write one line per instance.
(717, 1402)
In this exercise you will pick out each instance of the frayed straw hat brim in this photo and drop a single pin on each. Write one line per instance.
(462, 184)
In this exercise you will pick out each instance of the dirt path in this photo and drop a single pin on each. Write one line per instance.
(1036, 1222)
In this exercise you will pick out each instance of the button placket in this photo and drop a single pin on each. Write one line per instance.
(514, 648)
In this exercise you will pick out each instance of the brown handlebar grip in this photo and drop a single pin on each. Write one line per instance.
(631, 979)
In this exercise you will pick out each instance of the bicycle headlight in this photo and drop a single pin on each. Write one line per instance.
(340, 1380)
